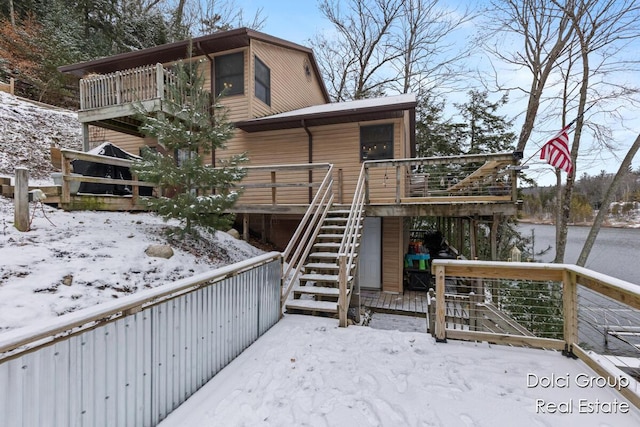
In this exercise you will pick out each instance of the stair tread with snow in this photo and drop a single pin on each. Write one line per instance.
(312, 305)
(326, 255)
(330, 245)
(317, 290)
(332, 278)
(315, 266)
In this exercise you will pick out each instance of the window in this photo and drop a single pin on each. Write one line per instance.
(229, 72)
(263, 82)
(376, 142)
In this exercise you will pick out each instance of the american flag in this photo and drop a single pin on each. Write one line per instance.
(556, 151)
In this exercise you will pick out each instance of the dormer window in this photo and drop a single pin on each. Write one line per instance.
(263, 82)
(229, 74)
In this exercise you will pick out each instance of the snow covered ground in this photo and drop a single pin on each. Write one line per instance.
(27, 131)
(307, 371)
(72, 260)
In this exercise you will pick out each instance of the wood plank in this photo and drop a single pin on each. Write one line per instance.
(516, 340)
(484, 171)
(627, 392)
(311, 305)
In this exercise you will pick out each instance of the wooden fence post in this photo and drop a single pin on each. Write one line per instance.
(21, 200)
(441, 309)
(431, 312)
(570, 310)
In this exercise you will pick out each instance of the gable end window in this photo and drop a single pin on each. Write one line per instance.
(229, 74)
(263, 82)
(376, 142)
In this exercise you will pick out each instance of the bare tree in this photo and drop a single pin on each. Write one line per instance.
(608, 198)
(195, 17)
(427, 53)
(12, 14)
(543, 31)
(362, 47)
(603, 28)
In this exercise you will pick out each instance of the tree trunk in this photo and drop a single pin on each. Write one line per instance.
(12, 14)
(595, 228)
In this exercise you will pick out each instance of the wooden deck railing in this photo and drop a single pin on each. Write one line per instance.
(552, 306)
(477, 178)
(274, 185)
(8, 87)
(68, 156)
(135, 85)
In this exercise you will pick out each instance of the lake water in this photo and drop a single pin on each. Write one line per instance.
(616, 253)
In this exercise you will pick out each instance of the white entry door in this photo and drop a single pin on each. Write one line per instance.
(370, 258)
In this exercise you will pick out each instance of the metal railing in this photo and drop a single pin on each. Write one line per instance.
(348, 248)
(299, 247)
(133, 361)
(554, 306)
(487, 177)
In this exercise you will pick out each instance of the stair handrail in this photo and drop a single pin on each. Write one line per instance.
(306, 232)
(347, 251)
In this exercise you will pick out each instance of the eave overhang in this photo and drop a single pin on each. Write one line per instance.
(347, 112)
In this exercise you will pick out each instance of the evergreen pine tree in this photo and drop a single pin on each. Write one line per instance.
(191, 129)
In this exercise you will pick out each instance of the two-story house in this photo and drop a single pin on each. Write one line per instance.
(294, 136)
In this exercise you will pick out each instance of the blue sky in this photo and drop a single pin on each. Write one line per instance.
(298, 21)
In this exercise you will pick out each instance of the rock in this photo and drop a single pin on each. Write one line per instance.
(159, 251)
(234, 233)
(67, 280)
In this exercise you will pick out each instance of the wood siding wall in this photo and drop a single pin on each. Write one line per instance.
(129, 143)
(392, 254)
(290, 87)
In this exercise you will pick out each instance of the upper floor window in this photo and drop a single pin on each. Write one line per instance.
(229, 74)
(263, 82)
(376, 142)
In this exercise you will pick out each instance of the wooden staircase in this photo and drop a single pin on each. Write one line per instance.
(318, 292)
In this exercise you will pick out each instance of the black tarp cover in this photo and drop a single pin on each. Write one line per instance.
(101, 170)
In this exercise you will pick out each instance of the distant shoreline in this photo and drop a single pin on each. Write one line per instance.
(533, 221)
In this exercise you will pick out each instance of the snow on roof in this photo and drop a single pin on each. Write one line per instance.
(345, 107)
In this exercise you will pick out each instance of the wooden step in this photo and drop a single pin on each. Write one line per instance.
(326, 278)
(318, 290)
(335, 228)
(329, 236)
(340, 212)
(336, 219)
(315, 266)
(311, 305)
(326, 255)
(327, 245)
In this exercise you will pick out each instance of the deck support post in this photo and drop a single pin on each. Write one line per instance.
(494, 237)
(441, 309)
(21, 200)
(343, 305)
(245, 227)
(85, 137)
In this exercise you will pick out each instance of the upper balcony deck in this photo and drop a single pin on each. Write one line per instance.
(112, 100)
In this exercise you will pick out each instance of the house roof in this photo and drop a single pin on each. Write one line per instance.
(333, 113)
(209, 44)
